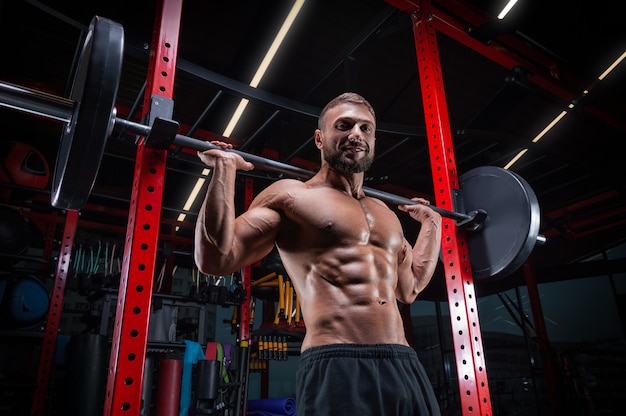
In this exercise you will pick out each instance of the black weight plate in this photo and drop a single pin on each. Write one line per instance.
(94, 90)
(513, 218)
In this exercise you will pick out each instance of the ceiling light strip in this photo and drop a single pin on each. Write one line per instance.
(256, 79)
(570, 106)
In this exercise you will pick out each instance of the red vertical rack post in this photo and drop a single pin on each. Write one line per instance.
(245, 324)
(542, 336)
(54, 313)
(130, 332)
(466, 334)
(244, 330)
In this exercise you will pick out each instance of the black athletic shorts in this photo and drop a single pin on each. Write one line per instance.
(363, 380)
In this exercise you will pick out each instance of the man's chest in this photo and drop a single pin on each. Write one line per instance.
(337, 217)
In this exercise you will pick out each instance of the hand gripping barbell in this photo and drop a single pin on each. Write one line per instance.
(497, 206)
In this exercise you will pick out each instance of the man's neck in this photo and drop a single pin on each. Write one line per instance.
(350, 183)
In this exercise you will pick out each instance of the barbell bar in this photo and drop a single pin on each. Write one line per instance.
(497, 205)
(62, 109)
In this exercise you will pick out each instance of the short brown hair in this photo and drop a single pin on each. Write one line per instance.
(346, 97)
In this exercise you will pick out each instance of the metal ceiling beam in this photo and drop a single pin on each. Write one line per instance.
(516, 50)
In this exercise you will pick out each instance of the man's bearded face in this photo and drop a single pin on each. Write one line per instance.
(340, 160)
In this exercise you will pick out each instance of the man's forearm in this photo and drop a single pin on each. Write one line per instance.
(215, 225)
(426, 251)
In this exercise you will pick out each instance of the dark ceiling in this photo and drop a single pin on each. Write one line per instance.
(554, 51)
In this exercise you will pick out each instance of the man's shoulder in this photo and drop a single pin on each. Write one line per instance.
(279, 192)
(286, 185)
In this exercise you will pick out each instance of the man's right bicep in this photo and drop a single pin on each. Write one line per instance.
(255, 233)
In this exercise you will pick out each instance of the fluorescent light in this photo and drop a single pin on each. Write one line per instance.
(570, 106)
(196, 189)
(612, 66)
(549, 126)
(516, 158)
(193, 195)
(278, 40)
(507, 9)
(256, 79)
(265, 63)
(236, 116)
(537, 137)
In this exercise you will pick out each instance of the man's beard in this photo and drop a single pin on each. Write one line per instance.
(337, 161)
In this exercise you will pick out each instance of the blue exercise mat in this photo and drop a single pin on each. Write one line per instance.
(272, 407)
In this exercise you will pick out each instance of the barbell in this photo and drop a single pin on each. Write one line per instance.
(496, 206)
